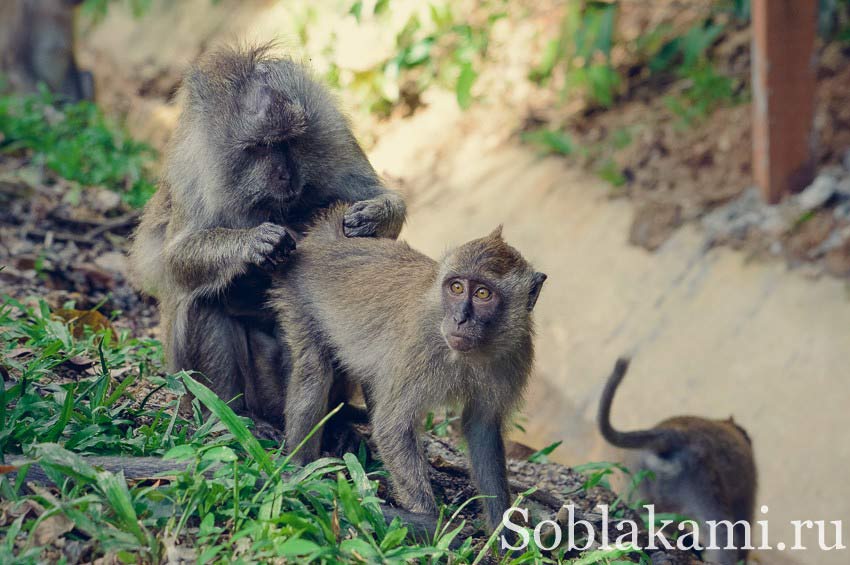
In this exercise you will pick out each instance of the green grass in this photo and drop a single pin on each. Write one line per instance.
(258, 507)
(77, 142)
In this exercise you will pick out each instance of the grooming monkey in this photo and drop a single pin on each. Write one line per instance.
(704, 469)
(415, 334)
(260, 147)
(37, 45)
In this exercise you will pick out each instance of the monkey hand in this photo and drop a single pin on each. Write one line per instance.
(270, 245)
(365, 218)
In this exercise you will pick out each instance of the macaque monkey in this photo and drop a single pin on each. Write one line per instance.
(416, 334)
(260, 147)
(37, 45)
(704, 469)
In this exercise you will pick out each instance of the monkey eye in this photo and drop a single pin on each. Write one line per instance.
(456, 287)
(483, 293)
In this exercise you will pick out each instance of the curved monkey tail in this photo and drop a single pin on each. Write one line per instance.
(651, 438)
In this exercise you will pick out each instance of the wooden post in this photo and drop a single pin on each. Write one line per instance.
(783, 67)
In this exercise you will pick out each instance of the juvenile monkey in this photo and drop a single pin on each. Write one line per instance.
(416, 334)
(37, 45)
(704, 469)
(259, 148)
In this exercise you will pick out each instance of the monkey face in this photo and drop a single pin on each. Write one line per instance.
(470, 306)
(270, 176)
(262, 135)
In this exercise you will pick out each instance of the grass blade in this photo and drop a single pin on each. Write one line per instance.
(233, 423)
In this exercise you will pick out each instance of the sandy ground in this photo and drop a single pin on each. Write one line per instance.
(711, 333)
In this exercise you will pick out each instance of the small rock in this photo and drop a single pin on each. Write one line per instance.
(837, 261)
(812, 271)
(733, 220)
(846, 160)
(653, 223)
(808, 235)
(106, 200)
(835, 239)
(842, 211)
(835, 171)
(775, 220)
(776, 248)
(816, 194)
(843, 187)
(112, 261)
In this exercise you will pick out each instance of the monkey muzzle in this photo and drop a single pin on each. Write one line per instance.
(460, 342)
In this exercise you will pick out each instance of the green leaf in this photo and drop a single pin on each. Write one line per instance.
(220, 453)
(359, 547)
(348, 500)
(540, 456)
(54, 456)
(552, 141)
(64, 417)
(356, 10)
(180, 452)
(463, 88)
(114, 487)
(119, 390)
(394, 538)
(233, 423)
(294, 547)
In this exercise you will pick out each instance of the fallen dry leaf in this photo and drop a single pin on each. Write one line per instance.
(79, 319)
(51, 529)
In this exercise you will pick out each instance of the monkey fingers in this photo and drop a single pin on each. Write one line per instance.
(365, 218)
(271, 245)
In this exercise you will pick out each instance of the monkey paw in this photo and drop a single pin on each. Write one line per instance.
(271, 245)
(364, 218)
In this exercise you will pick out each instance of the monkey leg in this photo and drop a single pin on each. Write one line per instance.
(307, 395)
(483, 433)
(265, 384)
(706, 508)
(204, 338)
(394, 431)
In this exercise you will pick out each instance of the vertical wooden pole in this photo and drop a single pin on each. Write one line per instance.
(783, 67)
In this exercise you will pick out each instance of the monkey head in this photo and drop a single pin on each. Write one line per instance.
(262, 123)
(484, 282)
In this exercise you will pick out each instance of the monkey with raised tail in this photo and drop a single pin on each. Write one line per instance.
(37, 41)
(259, 149)
(704, 469)
(416, 334)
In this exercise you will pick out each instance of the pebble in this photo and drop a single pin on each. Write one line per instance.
(106, 200)
(735, 219)
(843, 187)
(114, 261)
(842, 211)
(816, 194)
(846, 160)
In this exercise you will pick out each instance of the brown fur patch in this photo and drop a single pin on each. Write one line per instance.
(229, 67)
(490, 254)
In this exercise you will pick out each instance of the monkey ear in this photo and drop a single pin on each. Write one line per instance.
(537, 281)
(496, 233)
